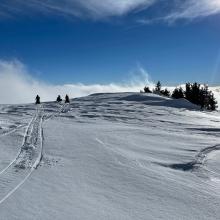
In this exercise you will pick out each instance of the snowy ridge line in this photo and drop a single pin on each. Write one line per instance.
(23, 142)
(197, 163)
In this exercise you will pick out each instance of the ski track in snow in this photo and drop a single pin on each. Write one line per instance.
(197, 163)
(18, 171)
(29, 156)
(11, 131)
(131, 156)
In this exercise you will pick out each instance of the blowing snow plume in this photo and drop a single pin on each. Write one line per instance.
(18, 86)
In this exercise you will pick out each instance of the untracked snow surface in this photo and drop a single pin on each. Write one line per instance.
(109, 156)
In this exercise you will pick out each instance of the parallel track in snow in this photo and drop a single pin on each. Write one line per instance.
(29, 156)
(30, 127)
(26, 134)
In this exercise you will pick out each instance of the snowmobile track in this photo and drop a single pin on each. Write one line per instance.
(197, 163)
(27, 160)
(24, 139)
(27, 132)
(29, 157)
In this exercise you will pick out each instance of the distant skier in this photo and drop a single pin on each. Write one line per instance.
(37, 99)
(67, 99)
(59, 99)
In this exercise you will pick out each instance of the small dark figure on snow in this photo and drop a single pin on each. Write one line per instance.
(37, 99)
(59, 98)
(67, 99)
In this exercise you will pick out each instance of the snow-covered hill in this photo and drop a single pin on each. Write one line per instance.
(109, 156)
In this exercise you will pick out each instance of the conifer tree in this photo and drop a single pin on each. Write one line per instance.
(212, 102)
(178, 93)
(188, 92)
(158, 87)
(165, 92)
(147, 90)
(200, 96)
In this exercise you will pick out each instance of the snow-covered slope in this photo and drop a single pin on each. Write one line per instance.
(109, 156)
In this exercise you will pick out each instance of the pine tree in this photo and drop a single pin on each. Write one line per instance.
(158, 87)
(196, 93)
(147, 90)
(178, 93)
(165, 92)
(200, 96)
(212, 102)
(204, 97)
(188, 92)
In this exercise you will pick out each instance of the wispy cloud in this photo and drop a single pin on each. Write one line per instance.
(90, 8)
(192, 9)
(17, 85)
(184, 10)
(169, 10)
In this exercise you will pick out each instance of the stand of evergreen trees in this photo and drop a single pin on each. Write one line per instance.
(200, 95)
(194, 92)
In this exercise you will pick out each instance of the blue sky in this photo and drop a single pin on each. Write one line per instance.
(70, 41)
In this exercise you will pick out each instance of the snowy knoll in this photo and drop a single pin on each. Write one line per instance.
(110, 156)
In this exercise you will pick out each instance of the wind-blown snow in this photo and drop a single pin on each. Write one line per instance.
(109, 156)
(17, 85)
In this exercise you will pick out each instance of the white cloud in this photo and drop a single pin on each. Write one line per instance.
(17, 85)
(192, 9)
(99, 9)
(88, 8)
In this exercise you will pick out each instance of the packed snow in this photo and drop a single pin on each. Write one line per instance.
(109, 156)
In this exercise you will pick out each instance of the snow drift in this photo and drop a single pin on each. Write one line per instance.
(109, 156)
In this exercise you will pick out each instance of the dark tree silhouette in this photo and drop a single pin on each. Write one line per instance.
(37, 99)
(212, 102)
(200, 96)
(188, 91)
(158, 87)
(195, 93)
(165, 92)
(204, 97)
(147, 90)
(178, 93)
